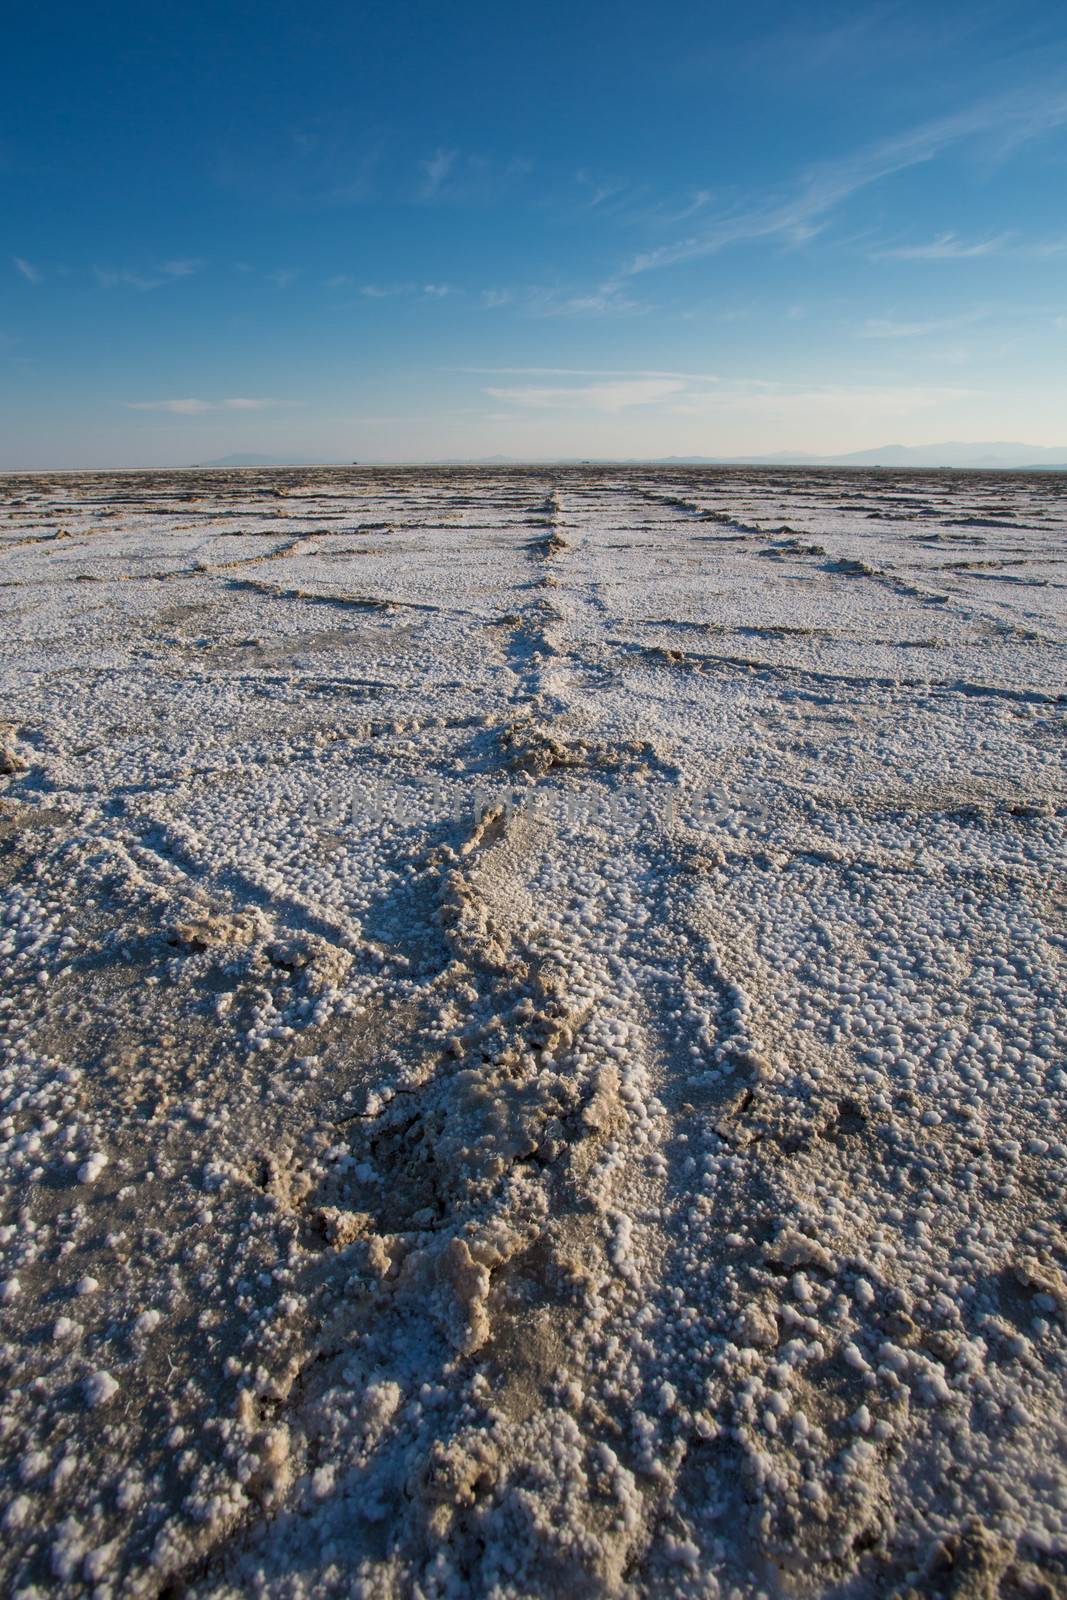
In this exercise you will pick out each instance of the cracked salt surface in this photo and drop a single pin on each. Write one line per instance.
(533, 1034)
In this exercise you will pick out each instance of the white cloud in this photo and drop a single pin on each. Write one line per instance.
(699, 397)
(592, 397)
(607, 299)
(1012, 122)
(586, 305)
(241, 404)
(890, 328)
(699, 202)
(130, 278)
(28, 270)
(436, 171)
(537, 300)
(388, 291)
(797, 403)
(181, 269)
(181, 408)
(599, 191)
(946, 247)
(283, 277)
(588, 372)
(123, 278)
(193, 408)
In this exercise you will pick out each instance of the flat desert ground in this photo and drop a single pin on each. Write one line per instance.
(533, 1034)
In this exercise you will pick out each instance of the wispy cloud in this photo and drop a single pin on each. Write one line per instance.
(539, 300)
(587, 372)
(124, 278)
(1050, 250)
(891, 328)
(699, 202)
(193, 407)
(31, 273)
(155, 278)
(946, 247)
(697, 395)
(609, 299)
(389, 291)
(183, 268)
(283, 277)
(458, 177)
(772, 401)
(243, 404)
(610, 397)
(600, 191)
(1007, 122)
(436, 170)
(180, 408)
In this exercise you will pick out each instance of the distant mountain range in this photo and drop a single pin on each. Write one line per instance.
(991, 456)
(963, 455)
(998, 456)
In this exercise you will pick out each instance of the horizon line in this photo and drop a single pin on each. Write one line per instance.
(815, 463)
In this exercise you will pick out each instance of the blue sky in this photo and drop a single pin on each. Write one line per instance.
(415, 230)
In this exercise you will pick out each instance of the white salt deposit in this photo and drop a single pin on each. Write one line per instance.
(533, 1043)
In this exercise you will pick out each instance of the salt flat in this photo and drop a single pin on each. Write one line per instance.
(533, 1054)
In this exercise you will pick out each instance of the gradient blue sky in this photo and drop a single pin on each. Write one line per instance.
(455, 229)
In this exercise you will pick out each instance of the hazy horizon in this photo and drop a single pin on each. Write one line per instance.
(989, 457)
(559, 235)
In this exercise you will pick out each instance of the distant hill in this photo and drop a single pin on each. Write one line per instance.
(958, 455)
(990, 457)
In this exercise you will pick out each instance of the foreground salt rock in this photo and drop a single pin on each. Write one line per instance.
(533, 1034)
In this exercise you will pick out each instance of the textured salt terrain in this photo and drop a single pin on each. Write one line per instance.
(533, 1034)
